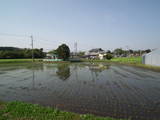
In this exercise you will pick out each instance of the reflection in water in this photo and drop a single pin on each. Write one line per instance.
(96, 69)
(115, 91)
(63, 71)
(33, 77)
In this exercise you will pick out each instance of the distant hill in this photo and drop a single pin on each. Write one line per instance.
(9, 48)
(14, 52)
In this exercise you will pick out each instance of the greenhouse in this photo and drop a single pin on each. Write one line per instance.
(152, 58)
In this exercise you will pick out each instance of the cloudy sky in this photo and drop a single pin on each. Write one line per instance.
(108, 24)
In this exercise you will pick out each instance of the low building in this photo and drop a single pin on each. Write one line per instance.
(51, 58)
(97, 53)
(152, 58)
(102, 56)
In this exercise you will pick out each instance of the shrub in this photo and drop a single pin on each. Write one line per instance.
(109, 56)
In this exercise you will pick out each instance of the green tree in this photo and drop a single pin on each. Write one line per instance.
(108, 51)
(81, 53)
(63, 52)
(13, 53)
(109, 56)
(148, 51)
(53, 52)
(118, 51)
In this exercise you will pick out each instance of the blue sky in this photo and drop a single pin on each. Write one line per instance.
(108, 24)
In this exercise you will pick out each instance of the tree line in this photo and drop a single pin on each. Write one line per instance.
(14, 53)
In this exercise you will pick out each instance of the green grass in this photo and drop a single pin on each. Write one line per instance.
(132, 61)
(135, 62)
(119, 60)
(128, 60)
(17, 60)
(25, 111)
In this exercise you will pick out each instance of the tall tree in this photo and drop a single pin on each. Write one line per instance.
(63, 52)
(118, 51)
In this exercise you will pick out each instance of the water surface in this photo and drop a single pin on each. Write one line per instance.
(101, 89)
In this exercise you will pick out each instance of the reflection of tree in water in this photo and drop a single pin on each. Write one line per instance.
(63, 71)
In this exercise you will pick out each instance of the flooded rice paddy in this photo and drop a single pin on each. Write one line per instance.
(105, 90)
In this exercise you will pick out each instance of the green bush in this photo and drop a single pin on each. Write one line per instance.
(109, 56)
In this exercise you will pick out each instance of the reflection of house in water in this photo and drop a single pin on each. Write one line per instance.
(96, 69)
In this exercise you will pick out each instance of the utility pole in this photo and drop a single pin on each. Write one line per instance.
(128, 50)
(32, 48)
(75, 48)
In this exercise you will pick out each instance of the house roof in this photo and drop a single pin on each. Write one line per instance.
(96, 50)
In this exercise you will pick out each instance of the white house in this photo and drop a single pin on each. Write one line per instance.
(97, 53)
(101, 56)
(152, 58)
(51, 56)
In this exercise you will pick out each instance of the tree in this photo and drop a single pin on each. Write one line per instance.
(63, 52)
(81, 53)
(108, 51)
(148, 51)
(118, 51)
(13, 53)
(130, 51)
(109, 56)
(53, 52)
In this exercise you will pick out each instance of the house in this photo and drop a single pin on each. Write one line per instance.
(96, 53)
(101, 56)
(152, 58)
(50, 57)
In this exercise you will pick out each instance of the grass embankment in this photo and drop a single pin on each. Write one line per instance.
(17, 60)
(132, 61)
(26, 111)
(135, 61)
(118, 60)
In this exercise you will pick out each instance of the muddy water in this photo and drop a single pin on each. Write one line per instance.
(105, 90)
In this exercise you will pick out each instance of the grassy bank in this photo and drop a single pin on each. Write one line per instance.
(135, 62)
(17, 60)
(118, 60)
(132, 61)
(26, 111)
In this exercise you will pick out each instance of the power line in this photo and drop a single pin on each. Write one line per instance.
(38, 41)
(15, 35)
(44, 42)
(38, 38)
